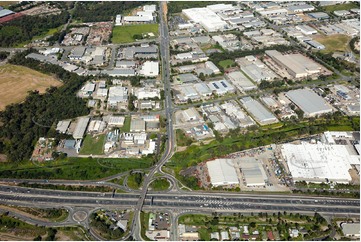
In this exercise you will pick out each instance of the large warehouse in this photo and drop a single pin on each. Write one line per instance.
(252, 172)
(309, 102)
(260, 113)
(80, 127)
(241, 81)
(296, 65)
(205, 17)
(318, 162)
(222, 172)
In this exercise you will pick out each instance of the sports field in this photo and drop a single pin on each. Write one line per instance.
(125, 34)
(335, 42)
(16, 81)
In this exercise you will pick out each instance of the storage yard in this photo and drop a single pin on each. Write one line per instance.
(331, 157)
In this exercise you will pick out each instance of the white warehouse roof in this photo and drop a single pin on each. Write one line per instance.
(222, 172)
(150, 68)
(316, 162)
(206, 17)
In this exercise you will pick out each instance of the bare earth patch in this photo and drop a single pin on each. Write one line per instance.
(17, 81)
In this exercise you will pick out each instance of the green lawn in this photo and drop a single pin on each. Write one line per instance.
(160, 184)
(335, 42)
(125, 34)
(126, 126)
(346, 6)
(182, 139)
(226, 63)
(93, 145)
(73, 168)
(132, 180)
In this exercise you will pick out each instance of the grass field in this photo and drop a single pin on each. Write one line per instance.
(125, 34)
(336, 42)
(93, 145)
(126, 126)
(73, 168)
(160, 184)
(346, 6)
(226, 63)
(16, 81)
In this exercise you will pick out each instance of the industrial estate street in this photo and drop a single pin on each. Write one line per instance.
(225, 121)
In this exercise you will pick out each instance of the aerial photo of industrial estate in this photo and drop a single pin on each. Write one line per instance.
(179, 120)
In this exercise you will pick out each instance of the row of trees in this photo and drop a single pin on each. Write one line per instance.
(25, 28)
(25, 122)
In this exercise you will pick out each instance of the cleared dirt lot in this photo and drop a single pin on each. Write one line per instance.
(16, 81)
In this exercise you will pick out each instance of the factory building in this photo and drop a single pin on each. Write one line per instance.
(147, 93)
(296, 65)
(255, 69)
(351, 230)
(221, 87)
(150, 69)
(315, 44)
(81, 127)
(117, 95)
(63, 126)
(209, 20)
(309, 102)
(241, 81)
(116, 121)
(319, 162)
(137, 125)
(273, 12)
(77, 53)
(259, 112)
(253, 172)
(190, 114)
(119, 72)
(300, 8)
(222, 172)
(319, 15)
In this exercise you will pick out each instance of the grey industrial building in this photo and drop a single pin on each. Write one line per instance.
(309, 102)
(296, 65)
(241, 81)
(81, 127)
(137, 125)
(259, 112)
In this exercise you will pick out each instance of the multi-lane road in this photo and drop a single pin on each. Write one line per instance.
(183, 200)
(174, 200)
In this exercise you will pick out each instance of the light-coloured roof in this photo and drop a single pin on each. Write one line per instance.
(81, 127)
(312, 105)
(137, 125)
(253, 172)
(351, 228)
(5, 12)
(222, 172)
(319, 161)
(260, 113)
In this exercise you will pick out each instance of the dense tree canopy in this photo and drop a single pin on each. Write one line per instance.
(25, 122)
(25, 28)
(102, 11)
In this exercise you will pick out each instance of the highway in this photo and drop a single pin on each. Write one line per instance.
(174, 199)
(182, 200)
